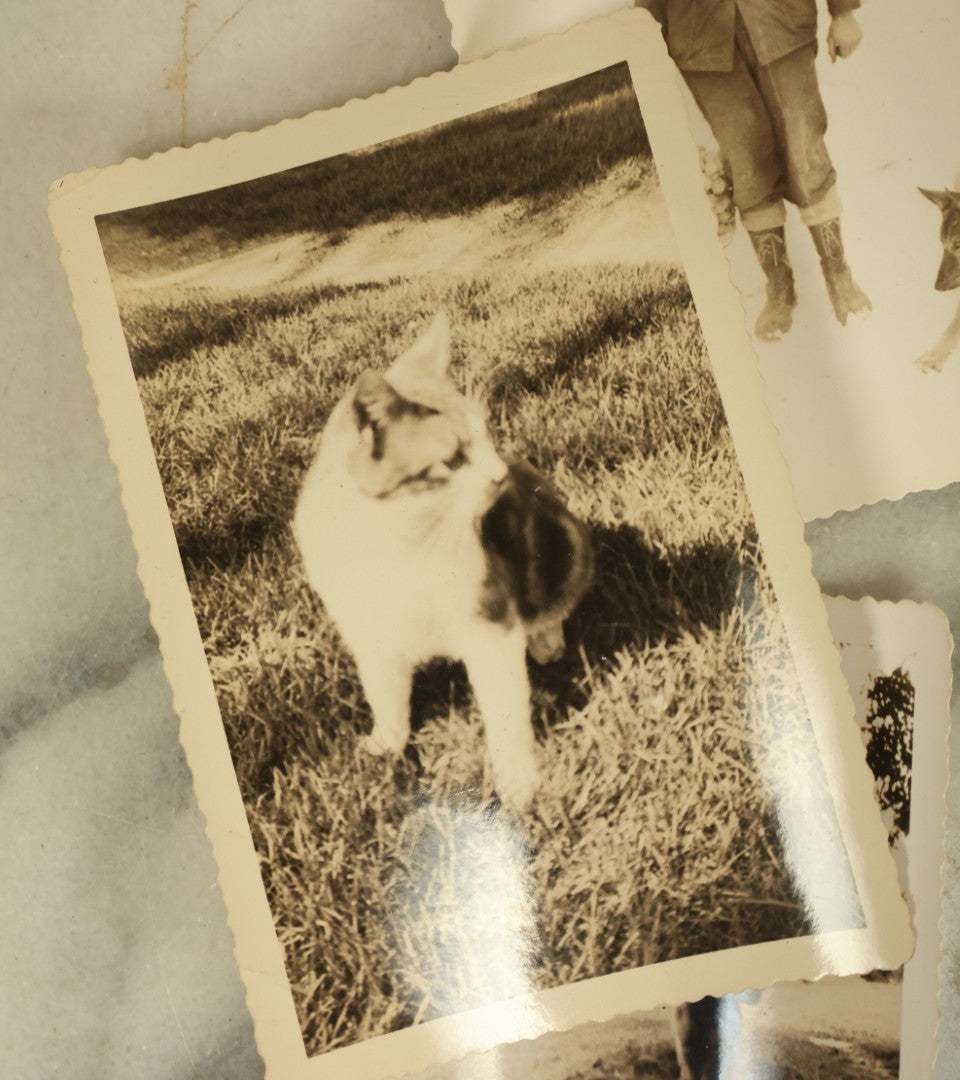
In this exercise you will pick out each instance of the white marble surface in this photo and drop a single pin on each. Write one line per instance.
(115, 958)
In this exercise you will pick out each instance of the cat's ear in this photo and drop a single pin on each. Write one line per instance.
(429, 356)
(373, 398)
(943, 199)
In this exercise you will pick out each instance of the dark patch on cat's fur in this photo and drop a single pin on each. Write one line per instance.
(641, 597)
(539, 560)
(376, 405)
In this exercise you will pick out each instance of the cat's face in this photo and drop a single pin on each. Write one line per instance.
(417, 433)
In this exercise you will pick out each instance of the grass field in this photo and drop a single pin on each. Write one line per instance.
(405, 892)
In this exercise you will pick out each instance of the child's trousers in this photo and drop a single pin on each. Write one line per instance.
(769, 121)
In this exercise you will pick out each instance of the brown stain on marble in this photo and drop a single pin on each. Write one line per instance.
(179, 78)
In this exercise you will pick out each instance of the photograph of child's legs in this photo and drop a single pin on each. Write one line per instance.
(770, 121)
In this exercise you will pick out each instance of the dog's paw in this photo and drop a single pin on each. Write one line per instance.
(932, 360)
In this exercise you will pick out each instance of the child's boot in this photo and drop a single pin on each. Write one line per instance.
(777, 315)
(846, 296)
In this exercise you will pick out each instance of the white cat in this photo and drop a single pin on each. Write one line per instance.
(422, 542)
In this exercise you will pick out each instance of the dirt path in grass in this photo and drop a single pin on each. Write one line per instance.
(614, 221)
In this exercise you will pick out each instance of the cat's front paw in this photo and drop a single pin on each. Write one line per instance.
(518, 785)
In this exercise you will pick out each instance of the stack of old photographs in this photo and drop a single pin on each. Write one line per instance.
(519, 723)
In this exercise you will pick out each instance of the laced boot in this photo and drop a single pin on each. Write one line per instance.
(846, 296)
(777, 314)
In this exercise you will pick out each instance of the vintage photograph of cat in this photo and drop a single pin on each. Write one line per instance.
(506, 687)
(409, 510)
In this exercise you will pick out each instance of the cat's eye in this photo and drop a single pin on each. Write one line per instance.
(456, 460)
(441, 470)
